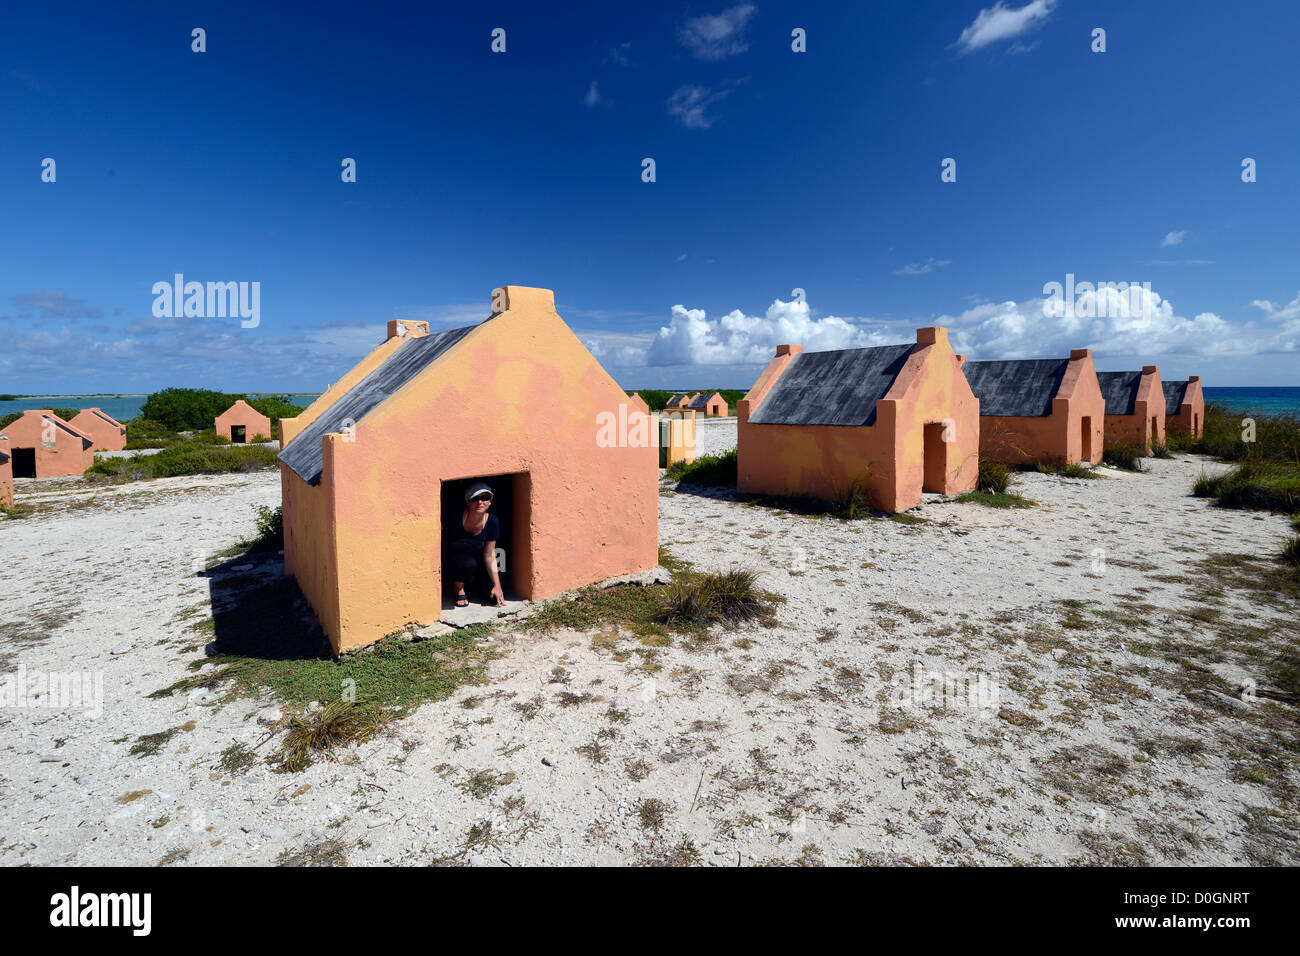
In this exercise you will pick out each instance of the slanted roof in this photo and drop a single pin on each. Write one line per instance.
(303, 454)
(840, 387)
(1174, 392)
(1120, 390)
(1022, 388)
(701, 400)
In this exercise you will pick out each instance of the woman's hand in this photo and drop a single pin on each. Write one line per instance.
(497, 595)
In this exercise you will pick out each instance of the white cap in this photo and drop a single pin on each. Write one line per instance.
(477, 489)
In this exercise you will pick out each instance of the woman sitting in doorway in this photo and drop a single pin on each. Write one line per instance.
(472, 545)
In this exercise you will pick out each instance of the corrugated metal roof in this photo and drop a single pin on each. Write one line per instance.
(1120, 390)
(1016, 387)
(1174, 392)
(303, 454)
(840, 387)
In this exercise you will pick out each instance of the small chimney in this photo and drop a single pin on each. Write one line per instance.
(407, 328)
(1080, 353)
(1149, 369)
(1193, 378)
(961, 360)
(789, 349)
(932, 335)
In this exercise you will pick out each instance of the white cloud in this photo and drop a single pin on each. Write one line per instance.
(719, 36)
(1002, 23)
(593, 95)
(921, 268)
(1174, 238)
(1144, 325)
(689, 103)
(619, 55)
(691, 338)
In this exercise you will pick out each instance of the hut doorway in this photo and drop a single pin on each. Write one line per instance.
(237, 434)
(24, 462)
(1086, 445)
(510, 504)
(935, 474)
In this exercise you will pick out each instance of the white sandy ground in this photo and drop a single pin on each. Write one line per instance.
(802, 742)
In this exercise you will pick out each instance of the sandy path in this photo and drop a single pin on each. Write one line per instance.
(810, 741)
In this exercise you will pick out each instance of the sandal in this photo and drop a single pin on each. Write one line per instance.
(462, 600)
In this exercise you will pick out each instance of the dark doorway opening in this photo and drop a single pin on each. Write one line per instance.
(935, 475)
(1086, 445)
(237, 434)
(510, 504)
(24, 462)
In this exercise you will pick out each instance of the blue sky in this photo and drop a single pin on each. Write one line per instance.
(775, 171)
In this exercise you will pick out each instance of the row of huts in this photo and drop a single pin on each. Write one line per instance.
(373, 470)
(899, 420)
(41, 444)
(709, 406)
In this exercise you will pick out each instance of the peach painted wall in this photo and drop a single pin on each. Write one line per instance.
(1189, 417)
(1058, 436)
(639, 403)
(716, 405)
(6, 479)
(61, 449)
(888, 457)
(104, 430)
(485, 407)
(242, 413)
(1146, 426)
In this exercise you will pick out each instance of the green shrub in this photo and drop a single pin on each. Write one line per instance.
(270, 528)
(1291, 550)
(996, 499)
(708, 470)
(1254, 484)
(729, 597)
(185, 458)
(994, 476)
(853, 502)
(1161, 451)
(186, 409)
(1122, 454)
(1277, 437)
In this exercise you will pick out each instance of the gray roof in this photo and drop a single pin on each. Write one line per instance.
(832, 388)
(1120, 390)
(1021, 388)
(1174, 392)
(701, 400)
(303, 453)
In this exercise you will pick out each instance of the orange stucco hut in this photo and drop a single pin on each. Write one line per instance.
(1032, 410)
(104, 430)
(6, 476)
(639, 403)
(1185, 407)
(373, 468)
(43, 445)
(1135, 407)
(898, 419)
(709, 405)
(678, 401)
(241, 422)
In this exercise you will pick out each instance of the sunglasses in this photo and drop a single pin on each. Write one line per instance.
(481, 498)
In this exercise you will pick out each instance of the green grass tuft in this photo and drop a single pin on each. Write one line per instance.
(996, 500)
(707, 470)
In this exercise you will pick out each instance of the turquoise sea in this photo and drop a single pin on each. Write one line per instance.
(121, 407)
(1265, 401)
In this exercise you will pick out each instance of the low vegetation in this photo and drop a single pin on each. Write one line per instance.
(186, 458)
(994, 477)
(994, 499)
(1267, 472)
(195, 409)
(1126, 456)
(727, 597)
(707, 470)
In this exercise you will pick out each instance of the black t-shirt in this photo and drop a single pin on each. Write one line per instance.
(462, 540)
